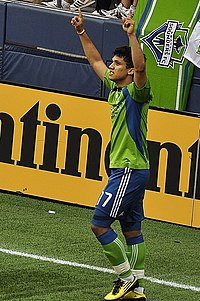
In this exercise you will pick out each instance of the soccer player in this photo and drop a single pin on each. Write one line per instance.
(122, 198)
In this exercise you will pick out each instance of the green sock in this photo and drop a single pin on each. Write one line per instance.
(116, 254)
(136, 257)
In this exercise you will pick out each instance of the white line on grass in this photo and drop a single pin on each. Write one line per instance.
(96, 268)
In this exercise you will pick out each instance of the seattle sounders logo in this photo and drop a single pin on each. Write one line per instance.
(168, 43)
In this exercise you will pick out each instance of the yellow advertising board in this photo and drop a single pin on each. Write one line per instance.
(56, 146)
(53, 145)
(173, 143)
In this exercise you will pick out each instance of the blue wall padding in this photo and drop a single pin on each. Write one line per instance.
(1, 76)
(51, 73)
(2, 33)
(194, 100)
(29, 27)
(114, 36)
(194, 96)
(196, 73)
(2, 22)
(33, 26)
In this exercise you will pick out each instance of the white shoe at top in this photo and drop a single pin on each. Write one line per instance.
(81, 4)
(124, 12)
(112, 13)
(118, 12)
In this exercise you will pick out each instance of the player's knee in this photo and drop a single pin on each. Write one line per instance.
(98, 230)
(132, 233)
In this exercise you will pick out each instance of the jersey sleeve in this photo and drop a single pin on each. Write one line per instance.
(140, 94)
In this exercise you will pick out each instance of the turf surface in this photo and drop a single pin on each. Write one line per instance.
(26, 226)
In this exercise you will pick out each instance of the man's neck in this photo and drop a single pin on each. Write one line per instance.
(124, 83)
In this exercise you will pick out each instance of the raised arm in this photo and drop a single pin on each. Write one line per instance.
(137, 54)
(90, 50)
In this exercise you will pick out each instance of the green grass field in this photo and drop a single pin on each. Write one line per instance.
(172, 263)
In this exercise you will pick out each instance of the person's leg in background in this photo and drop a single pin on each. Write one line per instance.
(122, 9)
(135, 2)
(126, 3)
(103, 4)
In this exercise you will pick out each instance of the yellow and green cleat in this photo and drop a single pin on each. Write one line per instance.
(132, 295)
(121, 288)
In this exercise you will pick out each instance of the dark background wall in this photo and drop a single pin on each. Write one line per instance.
(194, 97)
(39, 48)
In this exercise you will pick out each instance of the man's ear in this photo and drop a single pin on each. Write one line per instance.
(130, 71)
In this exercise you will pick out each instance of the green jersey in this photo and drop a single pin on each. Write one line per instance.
(129, 125)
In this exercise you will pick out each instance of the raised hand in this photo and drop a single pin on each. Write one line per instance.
(128, 23)
(77, 22)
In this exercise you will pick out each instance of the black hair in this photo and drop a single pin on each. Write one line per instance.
(125, 53)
